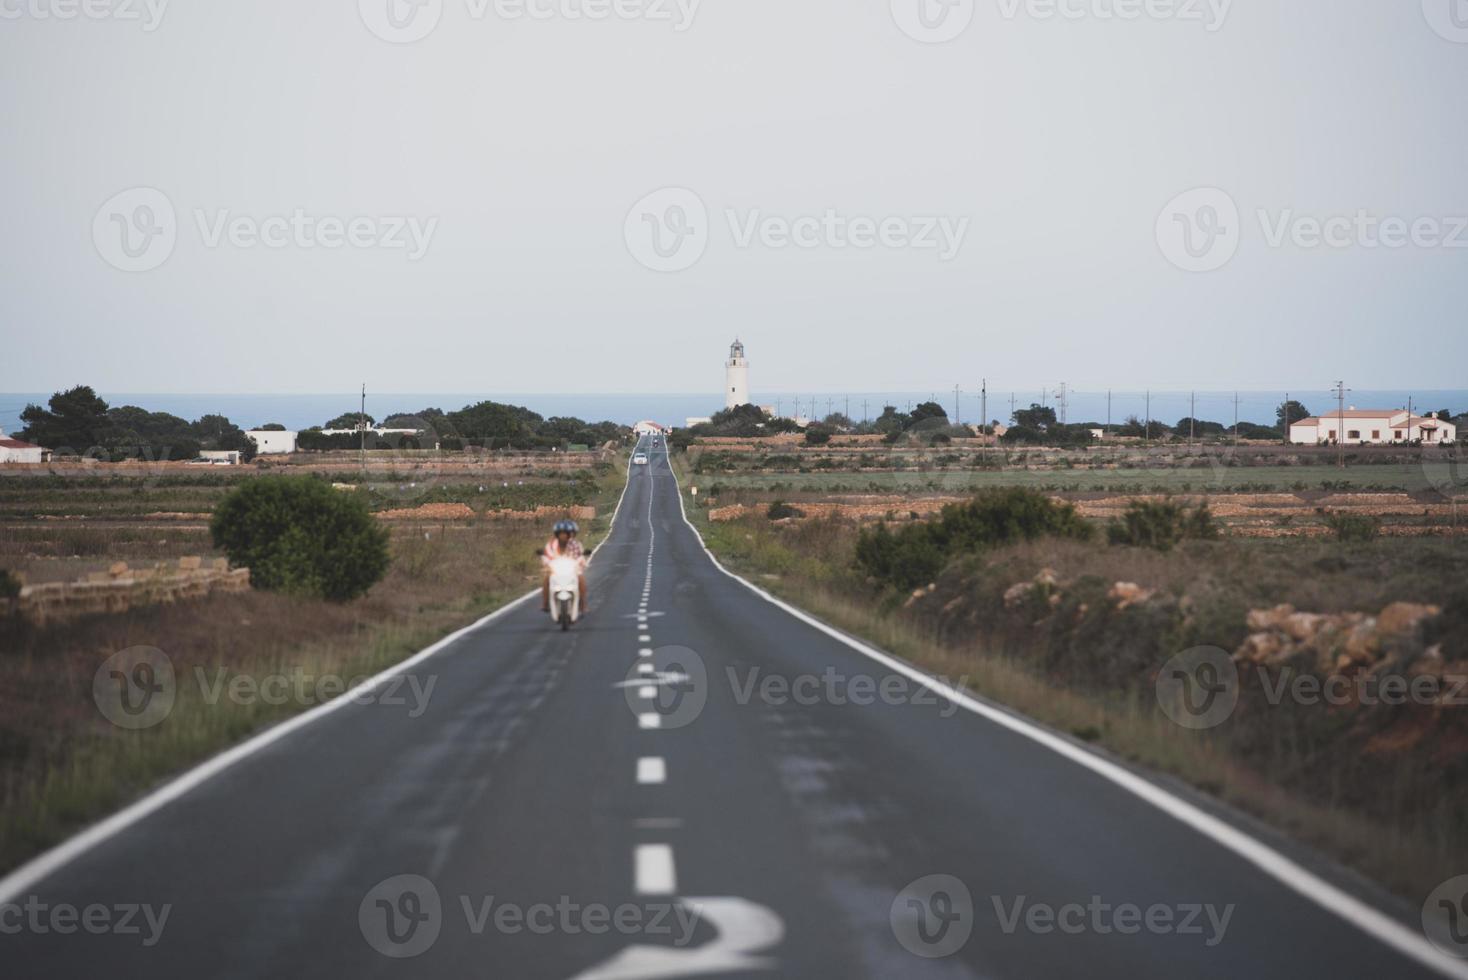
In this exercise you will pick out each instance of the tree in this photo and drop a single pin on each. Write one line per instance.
(218, 432)
(817, 435)
(76, 422)
(891, 421)
(928, 415)
(272, 427)
(1288, 413)
(837, 421)
(1445, 415)
(351, 420)
(1037, 417)
(298, 535)
(490, 422)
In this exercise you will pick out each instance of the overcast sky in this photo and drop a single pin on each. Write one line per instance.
(868, 205)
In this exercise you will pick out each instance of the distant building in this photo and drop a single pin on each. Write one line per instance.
(736, 377)
(273, 442)
(693, 420)
(19, 451)
(1372, 427)
(646, 428)
(219, 457)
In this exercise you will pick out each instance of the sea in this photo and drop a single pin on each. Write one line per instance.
(301, 411)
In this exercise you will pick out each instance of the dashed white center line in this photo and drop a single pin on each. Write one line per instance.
(647, 692)
(645, 652)
(650, 720)
(654, 869)
(644, 668)
(652, 770)
(644, 638)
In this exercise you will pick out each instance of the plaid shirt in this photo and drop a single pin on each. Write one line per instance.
(572, 549)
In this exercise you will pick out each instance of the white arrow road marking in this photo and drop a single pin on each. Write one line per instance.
(744, 930)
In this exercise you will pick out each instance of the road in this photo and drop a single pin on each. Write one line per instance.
(693, 781)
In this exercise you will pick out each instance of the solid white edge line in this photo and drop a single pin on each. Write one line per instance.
(1273, 863)
(48, 862)
(654, 869)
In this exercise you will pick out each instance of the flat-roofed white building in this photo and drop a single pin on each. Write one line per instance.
(20, 451)
(273, 442)
(1372, 427)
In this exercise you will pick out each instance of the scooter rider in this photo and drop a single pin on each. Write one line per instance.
(563, 544)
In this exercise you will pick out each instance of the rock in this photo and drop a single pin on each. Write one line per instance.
(1261, 648)
(190, 564)
(1405, 617)
(1128, 594)
(118, 569)
(1016, 595)
(1302, 627)
(1047, 577)
(1260, 620)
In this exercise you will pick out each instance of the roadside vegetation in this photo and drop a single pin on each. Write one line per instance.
(1071, 621)
(342, 595)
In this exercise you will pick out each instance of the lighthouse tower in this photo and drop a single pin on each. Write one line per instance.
(736, 377)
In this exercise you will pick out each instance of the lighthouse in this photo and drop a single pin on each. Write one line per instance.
(736, 377)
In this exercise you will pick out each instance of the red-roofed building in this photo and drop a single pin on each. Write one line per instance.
(17, 451)
(1372, 426)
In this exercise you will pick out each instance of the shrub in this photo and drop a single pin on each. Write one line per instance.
(9, 585)
(779, 510)
(1161, 525)
(1353, 527)
(817, 435)
(917, 552)
(298, 535)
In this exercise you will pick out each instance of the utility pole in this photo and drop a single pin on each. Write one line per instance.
(984, 409)
(362, 431)
(1287, 422)
(829, 404)
(1063, 401)
(847, 413)
(1409, 418)
(1108, 412)
(864, 415)
(1011, 406)
(1340, 432)
(1236, 420)
(1147, 422)
(1192, 416)
(957, 415)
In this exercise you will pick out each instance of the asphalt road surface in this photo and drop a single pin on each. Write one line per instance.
(691, 782)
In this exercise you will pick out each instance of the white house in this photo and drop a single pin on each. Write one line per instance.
(18, 451)
(273, 442)
(646, 428)
(1371, 426)
(219, 457)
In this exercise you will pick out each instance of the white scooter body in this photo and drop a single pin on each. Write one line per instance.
(565, 591)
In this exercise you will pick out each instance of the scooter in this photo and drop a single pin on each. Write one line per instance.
(565, 590)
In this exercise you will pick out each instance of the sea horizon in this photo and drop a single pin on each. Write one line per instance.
(304, 410)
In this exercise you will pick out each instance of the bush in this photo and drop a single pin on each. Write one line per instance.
(9, 585)
(917, 552)
(779, 510)
(817, 435)
(1353, 527)
(298, 535)
(1161, 525)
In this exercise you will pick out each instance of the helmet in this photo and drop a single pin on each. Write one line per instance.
(568, 526)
